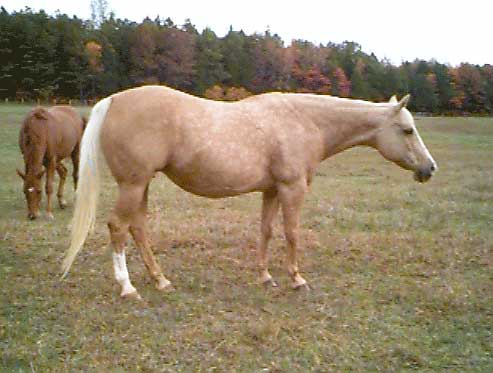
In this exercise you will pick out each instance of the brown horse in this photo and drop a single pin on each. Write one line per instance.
(48, 136)
(271, 143)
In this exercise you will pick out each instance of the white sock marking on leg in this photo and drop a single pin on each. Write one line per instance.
(121, 273)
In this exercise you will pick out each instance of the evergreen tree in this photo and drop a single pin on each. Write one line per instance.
(359, 84)
(237, 57)
(69, 61)
(210, 62)
(8, 48)
(444, 86)
(423, 87)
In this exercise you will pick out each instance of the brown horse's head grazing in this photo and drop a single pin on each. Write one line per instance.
(33, 142)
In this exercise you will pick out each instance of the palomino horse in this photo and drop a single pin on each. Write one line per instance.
(46, 137)
(270, 143)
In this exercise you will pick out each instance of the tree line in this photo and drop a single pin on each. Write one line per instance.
(46, 57)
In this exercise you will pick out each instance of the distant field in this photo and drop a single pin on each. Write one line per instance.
(402, 273)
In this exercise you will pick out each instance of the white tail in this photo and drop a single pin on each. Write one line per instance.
(88, 187)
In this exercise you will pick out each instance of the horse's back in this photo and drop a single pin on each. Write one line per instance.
(66, 127)
(67, 116)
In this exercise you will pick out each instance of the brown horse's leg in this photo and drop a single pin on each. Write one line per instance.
(62, 172)
(291, 197)
(126, 208)
(50, 174)
(270, 206)
(138, 229)
(75, 161)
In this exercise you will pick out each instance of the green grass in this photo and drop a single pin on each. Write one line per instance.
(402, 273)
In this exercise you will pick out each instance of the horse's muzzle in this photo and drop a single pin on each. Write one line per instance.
(425, 173)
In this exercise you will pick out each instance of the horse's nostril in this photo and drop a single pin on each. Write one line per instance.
(432, 168)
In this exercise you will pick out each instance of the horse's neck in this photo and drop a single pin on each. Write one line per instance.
(343, 123)
(35, 146)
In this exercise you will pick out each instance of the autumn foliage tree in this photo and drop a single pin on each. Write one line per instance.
(311, 80)
(269, 66)
(236, 94)
(469, 84)
(342, 85)
(219, 93)
(215, 92)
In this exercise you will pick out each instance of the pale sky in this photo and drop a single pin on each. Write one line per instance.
(449, 31)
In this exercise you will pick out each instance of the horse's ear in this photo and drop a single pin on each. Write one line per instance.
(402, 103)
(393, 99)
(19, 172)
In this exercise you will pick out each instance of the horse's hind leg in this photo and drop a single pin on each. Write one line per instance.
(75, 161)
(270, 206)
(50, 174)
(127, 206)
(138, 229)
(62, 172)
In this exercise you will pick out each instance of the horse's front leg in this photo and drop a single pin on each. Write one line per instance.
(291, 196)
(50, 175)
(62, 172)
(270, 206)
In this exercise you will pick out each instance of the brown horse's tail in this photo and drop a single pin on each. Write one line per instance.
(88, 187)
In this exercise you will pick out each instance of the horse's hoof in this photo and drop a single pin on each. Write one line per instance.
(134, 295)
(270, 283)
(299, 283)
(266, 279)
(164, 285)
(304, 287)
(63, 204)
(50, 216)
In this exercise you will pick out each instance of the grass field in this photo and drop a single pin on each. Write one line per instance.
(401, 272)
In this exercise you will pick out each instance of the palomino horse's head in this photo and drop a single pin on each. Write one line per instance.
(32, 191)
(398, 140)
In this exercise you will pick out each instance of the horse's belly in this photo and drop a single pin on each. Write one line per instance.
(223, 181)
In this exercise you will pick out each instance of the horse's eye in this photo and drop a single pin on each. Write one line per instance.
(408, 131)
